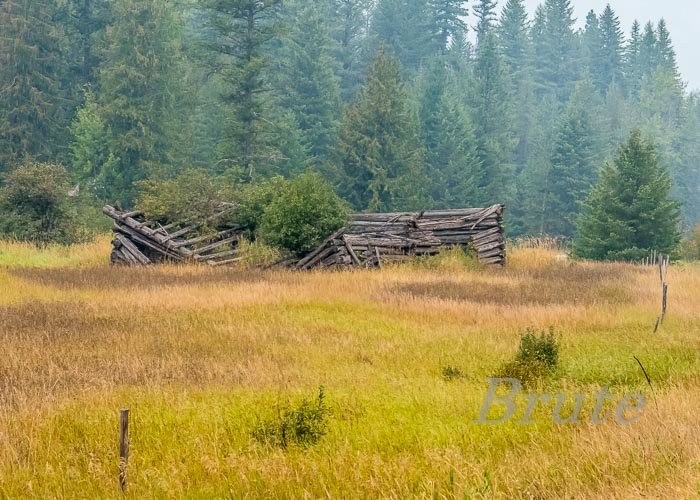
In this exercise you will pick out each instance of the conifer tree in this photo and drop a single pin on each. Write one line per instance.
(648, 51)
(516, 49)
(449, 138)
(493, 105)
(31, 97)
(629, 213)
(574, 164)
(556, 50)
(513, 37)
(139, 83)
(242, 31)
(632, 60)
(348, 21)
(592, 46)
(405, 26)
(666, 54)
(447, 18)
(611, 50)
(380, 160)
(309, 87)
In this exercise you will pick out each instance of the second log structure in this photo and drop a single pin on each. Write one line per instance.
(369, 240)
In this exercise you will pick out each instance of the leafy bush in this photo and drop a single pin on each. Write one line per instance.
(193, 194)
(303, 426)
(537, 358)
(254, 199)
(35, 206)
(303, 214)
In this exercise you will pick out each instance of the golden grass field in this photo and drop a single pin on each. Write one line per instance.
(202, 355)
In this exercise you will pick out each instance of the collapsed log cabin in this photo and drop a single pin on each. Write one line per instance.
(368, 240)
(372, 239)
(142, 242)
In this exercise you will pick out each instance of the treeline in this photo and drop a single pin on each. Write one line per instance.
(389, 100)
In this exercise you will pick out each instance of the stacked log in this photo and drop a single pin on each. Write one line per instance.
(369, 240)
(141, 242)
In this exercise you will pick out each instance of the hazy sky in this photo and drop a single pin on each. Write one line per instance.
(680, 15)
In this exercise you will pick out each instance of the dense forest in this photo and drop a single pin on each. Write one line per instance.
(399, 104)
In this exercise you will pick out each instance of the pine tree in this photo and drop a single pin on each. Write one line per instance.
(629, 213)
(405, 26)
(592, 48)
(348, 27)
(513, 37)
(492, 105)
(666, 54)
(556, 50)
(516, 49)
(485, 12)
(242, 32)
(139, 83)
(574, 164)
(648, 51)
(380, 161)
(449, 138)
(31, 98)
(611, 50)
(632, 59)
(308, 86)
(447, 18)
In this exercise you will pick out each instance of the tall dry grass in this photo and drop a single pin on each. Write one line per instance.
(202, 355)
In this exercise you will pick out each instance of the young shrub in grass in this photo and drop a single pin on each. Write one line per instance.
(450, 373)
(302, 426)
(537, 357)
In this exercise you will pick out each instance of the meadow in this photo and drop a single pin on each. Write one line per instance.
(201, 356)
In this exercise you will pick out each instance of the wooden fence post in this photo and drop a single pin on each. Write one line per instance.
(123, 446)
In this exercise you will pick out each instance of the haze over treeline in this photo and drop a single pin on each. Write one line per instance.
(390, 100)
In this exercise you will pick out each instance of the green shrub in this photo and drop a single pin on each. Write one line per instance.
(303, 426)
(450, 373)
(305, 212)
(255, 198)
(192, 195)
(537, 357)
(35, 206)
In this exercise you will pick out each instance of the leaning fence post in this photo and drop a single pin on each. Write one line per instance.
(123, 446)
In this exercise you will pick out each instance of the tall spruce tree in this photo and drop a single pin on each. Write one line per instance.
(574, 164)
(556, 50)
(405, 26)
(492, 104)
(31, 97)
(242, 31)
(139, 82)
(349, 20)
(516, 49)
(380, 160)
(611, 54)
(447, 19)
(666, 54)
(308, 84)
(514, 40)
(629, 213)
(632, 60)
(592, 48)
(449, 137)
